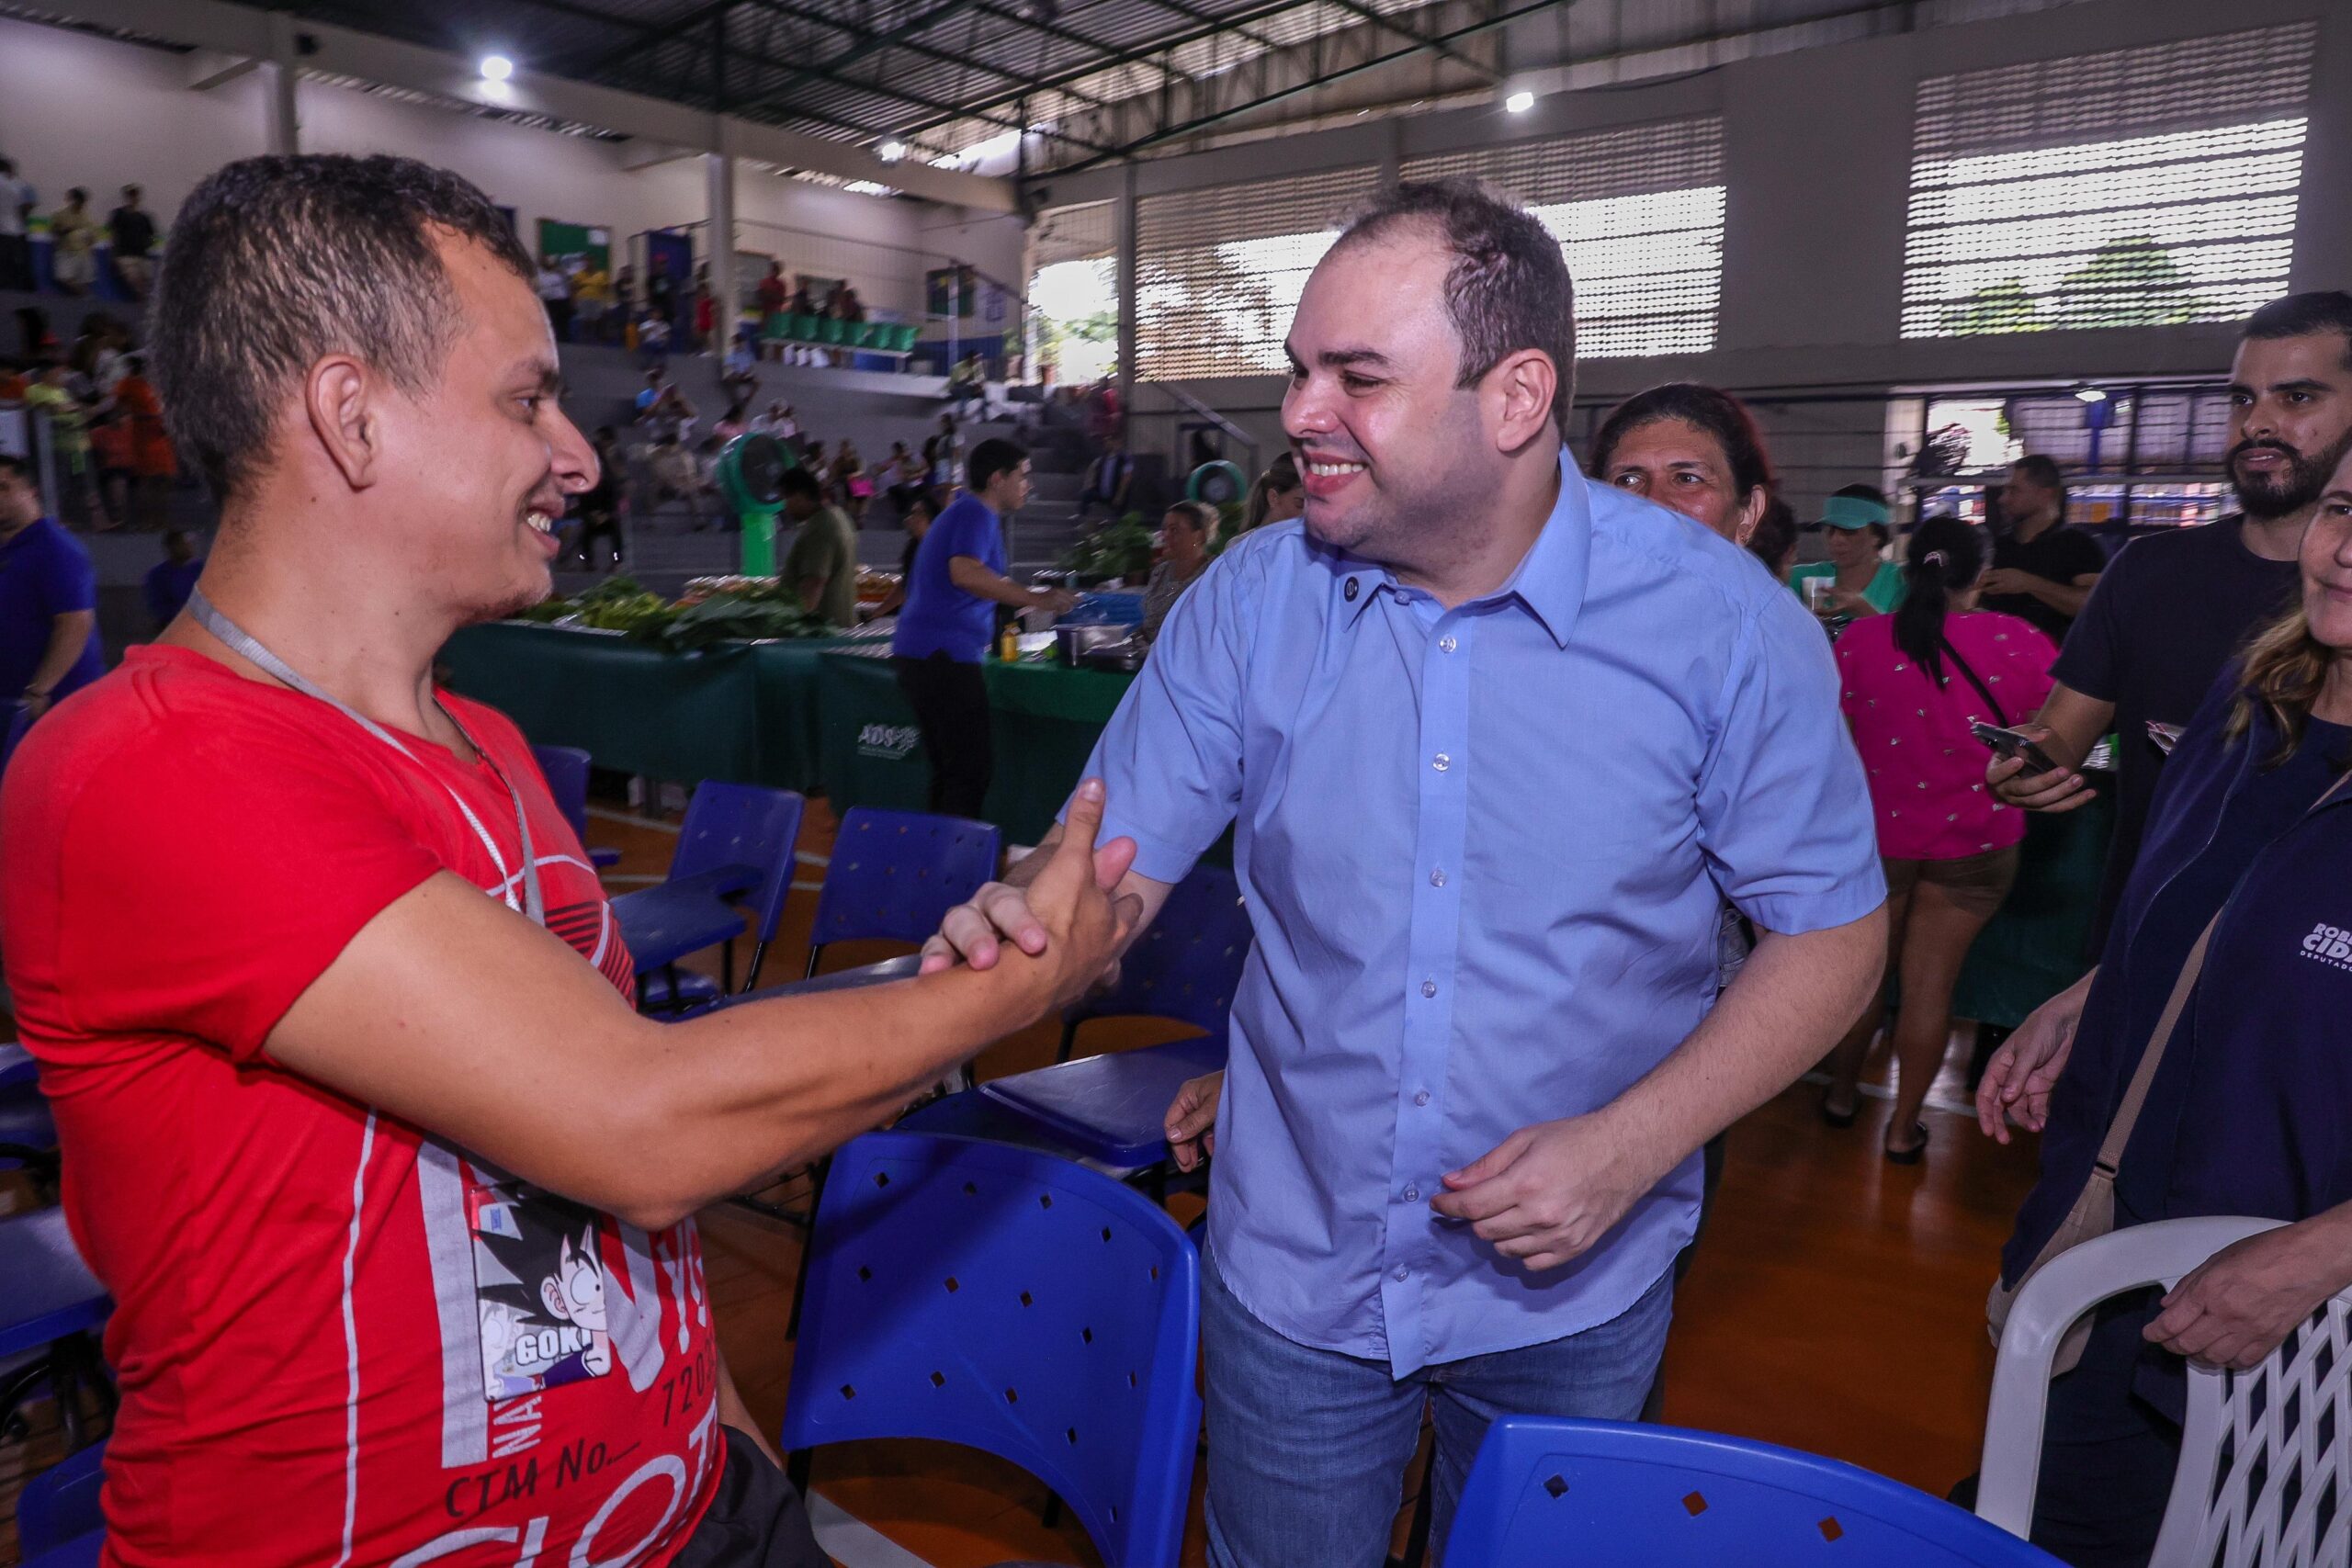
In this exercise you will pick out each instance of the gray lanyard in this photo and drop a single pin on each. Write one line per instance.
(534, 904)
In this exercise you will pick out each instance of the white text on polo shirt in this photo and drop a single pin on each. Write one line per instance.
(2330, 944)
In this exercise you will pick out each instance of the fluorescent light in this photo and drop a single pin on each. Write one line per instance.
(2090, 395)
(868, 188)
(1520, 103)
(891, 151)
(496, 68)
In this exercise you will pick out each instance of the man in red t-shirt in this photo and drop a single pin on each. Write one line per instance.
(392, 1189)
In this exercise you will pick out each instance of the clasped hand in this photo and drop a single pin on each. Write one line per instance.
(1548, 1193)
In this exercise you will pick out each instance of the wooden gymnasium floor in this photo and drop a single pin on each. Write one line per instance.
(1836, 1303)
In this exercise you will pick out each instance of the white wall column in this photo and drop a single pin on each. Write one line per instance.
(720, 236)
(284, 124)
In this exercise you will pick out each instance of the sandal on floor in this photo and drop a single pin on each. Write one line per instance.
(1840, 1118)
(1912, 1154)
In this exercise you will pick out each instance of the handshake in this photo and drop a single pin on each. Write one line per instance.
(1063, 907)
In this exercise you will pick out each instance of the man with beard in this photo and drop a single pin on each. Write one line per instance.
(2175, 608)
(1485, 817)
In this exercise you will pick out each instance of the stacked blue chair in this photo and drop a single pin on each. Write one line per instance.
(50, 1309)
(566, 769)
(58, 1520)
(895, 874)
(1014, 1302)
(737, 842)
(1186, 966)
(1545, 1493)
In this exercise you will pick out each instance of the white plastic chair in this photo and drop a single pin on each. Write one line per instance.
(2266, 1457)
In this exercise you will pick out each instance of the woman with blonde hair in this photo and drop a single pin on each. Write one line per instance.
(2238, 1100)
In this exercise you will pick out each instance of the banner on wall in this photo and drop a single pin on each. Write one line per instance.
(572, 246)
(672, 253)
(951, 290)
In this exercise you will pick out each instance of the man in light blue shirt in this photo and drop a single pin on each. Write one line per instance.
(1496, 743)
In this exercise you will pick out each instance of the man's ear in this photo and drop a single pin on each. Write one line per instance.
(339, 396)
(1518, 392)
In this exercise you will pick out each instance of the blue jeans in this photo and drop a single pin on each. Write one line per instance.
(1307, 1448)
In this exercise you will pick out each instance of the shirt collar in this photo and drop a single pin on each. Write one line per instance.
(1548, 582)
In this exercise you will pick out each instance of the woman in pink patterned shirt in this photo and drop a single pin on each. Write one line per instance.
(1913, 683)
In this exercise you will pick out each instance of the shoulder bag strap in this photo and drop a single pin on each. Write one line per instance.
(1999, 713)
(2135, 1097)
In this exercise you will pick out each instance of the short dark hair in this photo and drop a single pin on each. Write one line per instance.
(991, 457)
(1508, 288)
(17, 468)
(275, 261)
(2305, 315)
(802, 483)
(2042, 470)
(1710, 408)
(1199, 514)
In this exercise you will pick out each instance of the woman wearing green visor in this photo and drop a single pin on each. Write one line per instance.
(1854, 581)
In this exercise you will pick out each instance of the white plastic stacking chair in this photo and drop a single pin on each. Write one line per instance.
(2265, 1458)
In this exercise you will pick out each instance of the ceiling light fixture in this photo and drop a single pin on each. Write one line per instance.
(891, 151)
(496, 68)
(1519, 102)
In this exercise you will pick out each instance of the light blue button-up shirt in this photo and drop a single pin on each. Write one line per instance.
(1483, 850)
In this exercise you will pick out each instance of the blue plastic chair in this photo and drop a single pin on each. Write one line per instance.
(566, 769)
(895, 874)
(27, 1133)
(82, 1553)
(736, 841)
(59, 1507)
(51, 1305)
(1186, 966)
(1111, 1107)
(1010, 1302)
(1545, 1493)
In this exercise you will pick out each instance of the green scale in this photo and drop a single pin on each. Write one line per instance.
(750, 476)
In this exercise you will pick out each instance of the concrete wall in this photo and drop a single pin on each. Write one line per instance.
(1817, 151)
(81, 110)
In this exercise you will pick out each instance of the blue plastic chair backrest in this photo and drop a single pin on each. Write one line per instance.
(734, 824)
(566, 769)
(1013, 1302)
(1545, 1493)
(1188, 964)
(18, 722)
(897, 874)
(61, 1503)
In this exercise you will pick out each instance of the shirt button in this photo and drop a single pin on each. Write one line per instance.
(1421, 1096)
(1429, 988)
(1440, 761)
(1437, 877)
(1446, 644)
(1412, 1194)
(1402, 1274)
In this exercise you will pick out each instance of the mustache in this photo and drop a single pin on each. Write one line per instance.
(2242, 447)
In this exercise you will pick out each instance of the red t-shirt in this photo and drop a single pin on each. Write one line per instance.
(338, 1339)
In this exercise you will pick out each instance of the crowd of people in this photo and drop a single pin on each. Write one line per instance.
(75, 227)
(115, 465)
(1499, 1004)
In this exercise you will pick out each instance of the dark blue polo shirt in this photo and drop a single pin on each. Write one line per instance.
(2247, 1115)
(44, 573)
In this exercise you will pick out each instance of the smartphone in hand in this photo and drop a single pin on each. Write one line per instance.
(2011, 743)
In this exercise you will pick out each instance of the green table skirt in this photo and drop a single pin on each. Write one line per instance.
(2036, 946)
(1044, 721)
(743, 712)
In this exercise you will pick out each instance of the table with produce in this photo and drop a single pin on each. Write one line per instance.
(717, 684)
